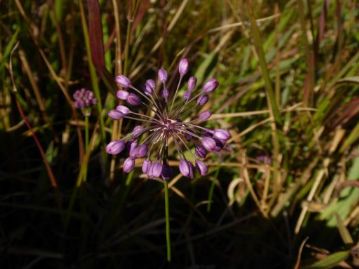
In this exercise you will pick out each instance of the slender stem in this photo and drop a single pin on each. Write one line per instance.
(167, 212)
(86, 145)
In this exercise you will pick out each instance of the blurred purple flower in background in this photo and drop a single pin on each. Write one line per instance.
(172, 124)
(84, 98)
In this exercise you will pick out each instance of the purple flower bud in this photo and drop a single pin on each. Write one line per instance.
(219, 145)
(123, 109)
(123, 81)
(203, 99)
(205, 115)
(133, 99)
(150, 86)
(200, 151)
(122, 95)
(115, 114)
(208, 143)
(162, 75)
(145, 166)
(128, 165)
(155, 169)
(221, 134)
(115, 147)
(187, 95)
(202, 168)
(165, 94)
(192, 82)
(141, 151)
(167, 171)
(137, 131)
(133, 147)
(183, 67)
(186, 168)
(210, 85)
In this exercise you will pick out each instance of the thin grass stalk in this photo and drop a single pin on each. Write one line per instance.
(272, 102)
(117, 125)
(93, 75)
(211, 191)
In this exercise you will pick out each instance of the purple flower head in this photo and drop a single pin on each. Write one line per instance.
(162, 75)
(123, 81)
(167, 122)
(122, 95)
(128, 165)
(210, 85)
(115, 147)
(84, 99)
(183, 67)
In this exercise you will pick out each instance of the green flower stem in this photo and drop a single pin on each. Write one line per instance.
(87, 152)
(167, 212)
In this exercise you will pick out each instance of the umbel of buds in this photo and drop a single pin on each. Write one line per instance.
(168, 124)
(84, 98)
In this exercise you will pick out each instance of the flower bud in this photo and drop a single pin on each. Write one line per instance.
(133, 99)
(186, 168)
(221, 134)
(202, 168)
(200, 151)
(123, 81)
(115, 114)
(162, 75)
(145, 166)
(115, 147)
(165, 94)
(141, 151)
(202, 100)
(192, 82)
(150, 86)
(122, 95)
(208, 143)
(155, 169)
(187, 95)
(210, 85)
(205, 115)
(137, 131)
(183, 67)
(133, 149)
(128, 165)
(123, 109)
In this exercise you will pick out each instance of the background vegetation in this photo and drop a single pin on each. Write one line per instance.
(285, 193)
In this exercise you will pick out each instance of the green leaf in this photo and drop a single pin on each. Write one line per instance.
(329, 261)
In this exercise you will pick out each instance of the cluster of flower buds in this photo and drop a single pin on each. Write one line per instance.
(170, 123)
(84, 98)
